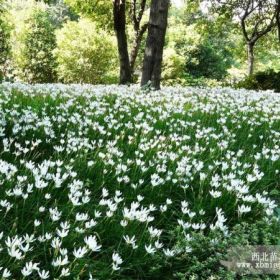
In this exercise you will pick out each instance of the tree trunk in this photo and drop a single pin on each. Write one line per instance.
(120, 26)
(155, 43)
(251, 58)
(136, 45)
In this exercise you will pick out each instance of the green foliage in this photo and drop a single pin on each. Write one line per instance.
(266, 80)
(173, 66)
(208, 60)
(34, 41)
(203, 45)
(4, 41)
(204, 261)
(99, 10)
(85, 54)
(60, 13)
(48, 1)
(267, 53)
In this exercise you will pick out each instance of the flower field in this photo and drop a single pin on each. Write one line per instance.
(108, 182)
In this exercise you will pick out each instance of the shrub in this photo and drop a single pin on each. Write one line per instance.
(266, 80)
(85, 54)
(33, 39)
(174, 72)
(207, 253)
(173, 67)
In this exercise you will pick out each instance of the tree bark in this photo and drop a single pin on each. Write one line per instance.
(136, 45)
(251, 58)
(120, 26)
(155, 43)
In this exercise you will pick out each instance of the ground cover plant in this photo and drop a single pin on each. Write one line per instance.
(110, 182)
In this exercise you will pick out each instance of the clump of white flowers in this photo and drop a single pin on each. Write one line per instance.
(94, 180)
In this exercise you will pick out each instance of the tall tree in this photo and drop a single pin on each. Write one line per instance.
(136, 16)
(136, 11)
(257, 18)
(155, 43)
(120, 29)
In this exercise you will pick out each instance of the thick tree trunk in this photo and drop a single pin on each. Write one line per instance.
(251, 58)
(120, 26)
(136, 45)
(155, 43)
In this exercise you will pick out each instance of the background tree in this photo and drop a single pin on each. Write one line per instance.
(136, 14)
(119, 12)
(202, 47)
(33, 41)
(155, 43)
(257, 18)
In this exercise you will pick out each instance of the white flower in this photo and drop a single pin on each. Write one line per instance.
(15, 253)
(92, 243)
(62, 233)
(158, 244)
(56, 243)
(44, 274)
(65, 272)
(131, 241)
(115, 266)
(28, 268)
(169, 253)
(123, 223)
(154, 232)
(91, 223)
(82, 216)
(243, 209)
(117, 260)
(80, 252)
(25, 248)
(168, 201)
(215, 194)
(6, 273)
(60, 262)
(188, 249)
(37, 223)
(149, 249)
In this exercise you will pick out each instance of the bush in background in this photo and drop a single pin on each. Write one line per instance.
(85, 54)
(266, 80)
(173, 67)
(207, 60)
